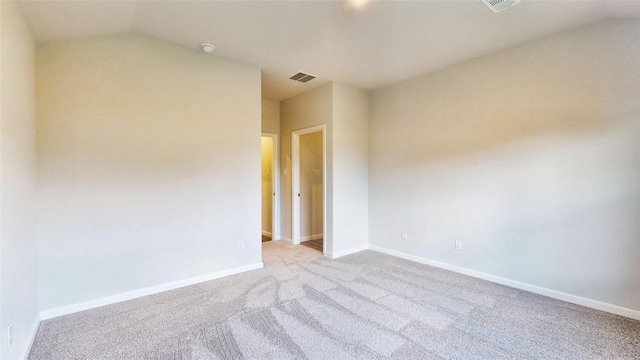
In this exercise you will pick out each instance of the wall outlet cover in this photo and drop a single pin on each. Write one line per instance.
(10, 335)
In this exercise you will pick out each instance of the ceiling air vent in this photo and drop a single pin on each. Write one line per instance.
(302, 77)
(499, 5)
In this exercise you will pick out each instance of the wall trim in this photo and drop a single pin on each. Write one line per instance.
(347, 252)
(311, 237)
(266, 233)
(130, 295)
(574, 299)
(31, 338)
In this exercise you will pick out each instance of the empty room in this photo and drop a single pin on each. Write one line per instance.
(352, 179)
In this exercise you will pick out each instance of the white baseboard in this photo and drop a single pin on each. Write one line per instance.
(285, 239)
(30, 339)
(590, 303)
(303, 239)
(266, 233)
(346, 252)
(70, 309)
(311, 237)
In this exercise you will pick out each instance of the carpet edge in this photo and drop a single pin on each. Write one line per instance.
(31, 338)
(340, 254)
(559, 295)
(130, 295)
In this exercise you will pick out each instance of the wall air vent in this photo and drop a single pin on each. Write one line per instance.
(500, 5)
(302, 77)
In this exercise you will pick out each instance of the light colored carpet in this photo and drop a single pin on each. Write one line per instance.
(364, 306)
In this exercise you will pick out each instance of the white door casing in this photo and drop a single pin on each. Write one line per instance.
(275, 187)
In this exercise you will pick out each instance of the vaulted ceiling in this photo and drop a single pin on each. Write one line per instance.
(369, 45)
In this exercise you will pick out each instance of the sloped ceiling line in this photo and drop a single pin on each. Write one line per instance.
(370, 47)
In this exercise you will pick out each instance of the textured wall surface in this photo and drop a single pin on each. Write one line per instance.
(149, 166)
(18, 250)
(529, 156)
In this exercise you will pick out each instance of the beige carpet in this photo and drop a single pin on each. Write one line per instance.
(364, 306)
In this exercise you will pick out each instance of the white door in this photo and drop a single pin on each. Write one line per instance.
(296, 182)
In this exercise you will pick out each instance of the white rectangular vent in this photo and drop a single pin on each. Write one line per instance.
(500, 5)
(302, 77)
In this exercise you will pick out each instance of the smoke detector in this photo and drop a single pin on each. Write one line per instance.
(302, 77)
(208, 48)
(499, 5)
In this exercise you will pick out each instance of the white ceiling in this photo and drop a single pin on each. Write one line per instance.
(370, 47)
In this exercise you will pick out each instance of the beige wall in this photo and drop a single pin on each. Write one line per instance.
(351, 168)
(344, 110)
(148, 159)
(270, 116)
(529, 156)
(303, 111)
(18, 247)
(267, 185)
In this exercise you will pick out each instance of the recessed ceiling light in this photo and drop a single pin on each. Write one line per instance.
(208, 48)
(358, 4)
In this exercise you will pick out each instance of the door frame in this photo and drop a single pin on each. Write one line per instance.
(295, 186)
(275, 187)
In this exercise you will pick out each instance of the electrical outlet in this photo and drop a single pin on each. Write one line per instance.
(240, 245)
(458, 244)
(404, 235)
(10, 334)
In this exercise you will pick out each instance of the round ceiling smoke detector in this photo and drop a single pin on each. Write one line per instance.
(208, 48)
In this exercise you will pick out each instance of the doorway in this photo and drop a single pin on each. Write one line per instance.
(270, 187)
(309, 194)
